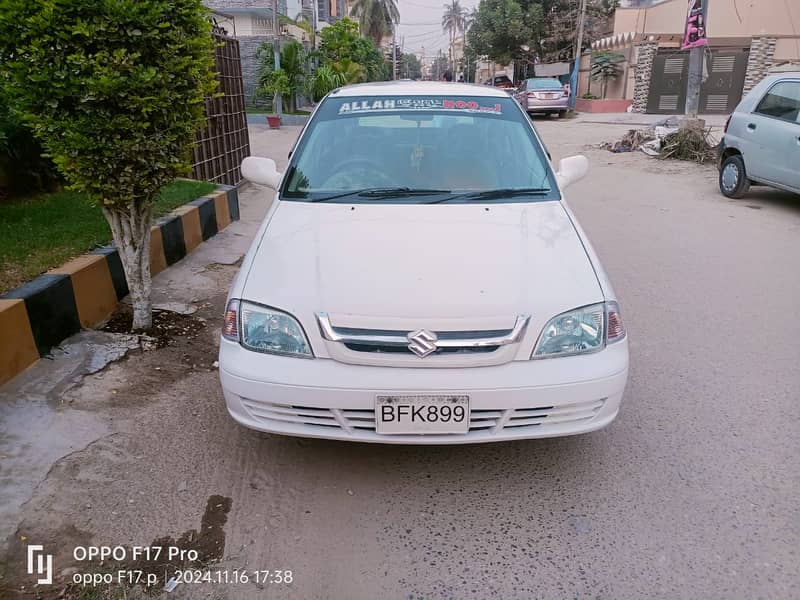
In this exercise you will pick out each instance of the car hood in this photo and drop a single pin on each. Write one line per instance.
(422, 263)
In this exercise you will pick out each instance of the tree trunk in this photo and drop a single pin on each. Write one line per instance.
(130, 227)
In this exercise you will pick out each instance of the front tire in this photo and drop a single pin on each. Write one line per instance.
(733, 181)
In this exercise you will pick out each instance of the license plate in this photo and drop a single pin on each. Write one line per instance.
(421, 414)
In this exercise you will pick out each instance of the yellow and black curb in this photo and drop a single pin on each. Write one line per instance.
(38, 315)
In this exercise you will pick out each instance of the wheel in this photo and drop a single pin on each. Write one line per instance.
(561, 114)
(733, 181)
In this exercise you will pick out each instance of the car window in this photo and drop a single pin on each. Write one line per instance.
(782, 101)
(456, 144)
(545, 84)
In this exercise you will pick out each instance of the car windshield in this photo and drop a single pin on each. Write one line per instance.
(544, 84)
(419, 149)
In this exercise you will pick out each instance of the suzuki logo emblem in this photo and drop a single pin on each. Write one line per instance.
(422, 342)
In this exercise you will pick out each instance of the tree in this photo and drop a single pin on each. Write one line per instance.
(115, 92)
(289, 80)
(324, 80)
(411, 67)
(341, 40)
(375, 17)
(453, 22)
(501, 28)
(439, 66)
(605, 67)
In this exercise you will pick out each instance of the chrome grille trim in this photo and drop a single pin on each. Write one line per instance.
(446, 339)
(481, 420)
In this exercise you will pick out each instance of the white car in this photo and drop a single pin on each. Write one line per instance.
(762, 138)
(419, 279)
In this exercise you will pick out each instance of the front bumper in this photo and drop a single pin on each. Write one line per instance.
(323, 398)
(720, 152)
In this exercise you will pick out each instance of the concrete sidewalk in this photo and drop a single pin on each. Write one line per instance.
(641, 120)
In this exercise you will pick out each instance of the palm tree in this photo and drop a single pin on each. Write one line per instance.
(375, 17)
(453, 22)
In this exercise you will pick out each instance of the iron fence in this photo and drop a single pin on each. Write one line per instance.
(222, 144)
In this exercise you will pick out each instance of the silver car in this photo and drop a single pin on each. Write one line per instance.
(762, 138)
(543, 95)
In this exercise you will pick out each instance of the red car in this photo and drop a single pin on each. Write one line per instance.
(500, 81)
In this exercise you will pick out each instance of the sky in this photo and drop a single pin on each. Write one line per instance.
(421, 25)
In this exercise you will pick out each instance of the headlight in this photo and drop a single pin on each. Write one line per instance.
(580, 331)
(264, 329)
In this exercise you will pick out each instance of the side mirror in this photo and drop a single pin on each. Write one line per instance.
(571, 169)
(262, 171)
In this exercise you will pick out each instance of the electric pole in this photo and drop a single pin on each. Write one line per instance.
(578, 50)
(394, 51)
(695, 80)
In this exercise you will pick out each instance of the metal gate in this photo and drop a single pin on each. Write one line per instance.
(223, 143)
(722, 90)
(720, 93)
(668, 82)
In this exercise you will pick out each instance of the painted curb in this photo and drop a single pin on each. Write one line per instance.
(40, 314)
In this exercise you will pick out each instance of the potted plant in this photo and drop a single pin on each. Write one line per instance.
(275, 84)
(274, 121)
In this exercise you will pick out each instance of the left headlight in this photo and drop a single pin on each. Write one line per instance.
(581, 331)
(263, 329)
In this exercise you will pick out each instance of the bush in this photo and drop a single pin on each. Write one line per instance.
(114, 90)
(23, 169)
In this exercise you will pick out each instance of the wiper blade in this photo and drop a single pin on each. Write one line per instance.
(494, 194)
(387, 192)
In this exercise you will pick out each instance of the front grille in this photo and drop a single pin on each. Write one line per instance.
(388, 348)
(481, 420)
(421, 342)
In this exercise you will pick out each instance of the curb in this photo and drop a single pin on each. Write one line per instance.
(38, 315)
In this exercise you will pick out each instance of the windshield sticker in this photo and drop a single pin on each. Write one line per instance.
(395, 104)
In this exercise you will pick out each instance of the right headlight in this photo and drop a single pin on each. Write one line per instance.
(264, 329)
(581, 331)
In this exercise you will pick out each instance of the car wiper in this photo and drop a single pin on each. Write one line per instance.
(386, 192)
(494, 194)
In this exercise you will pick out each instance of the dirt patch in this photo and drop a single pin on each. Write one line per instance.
(195, 548)
(167, 325)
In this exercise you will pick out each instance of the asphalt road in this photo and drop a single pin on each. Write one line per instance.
(691, 493)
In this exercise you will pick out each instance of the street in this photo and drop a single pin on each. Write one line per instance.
(690, 493)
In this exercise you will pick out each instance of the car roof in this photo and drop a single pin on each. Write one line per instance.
(418, 88)
(775, 76)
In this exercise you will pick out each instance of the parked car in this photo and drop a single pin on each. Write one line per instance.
(419, 279)
(543, 95)
(500, 81)
(762, 138)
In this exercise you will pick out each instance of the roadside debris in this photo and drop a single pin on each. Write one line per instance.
(666, 139)
(171, 584)
(633, 140)
(688, 144)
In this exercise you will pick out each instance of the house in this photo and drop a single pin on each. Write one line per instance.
(251, 22)
(745, 40)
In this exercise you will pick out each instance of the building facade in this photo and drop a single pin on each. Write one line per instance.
(745, 41)
(251, 22)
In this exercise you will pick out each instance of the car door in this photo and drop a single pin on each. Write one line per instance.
(774, 129)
